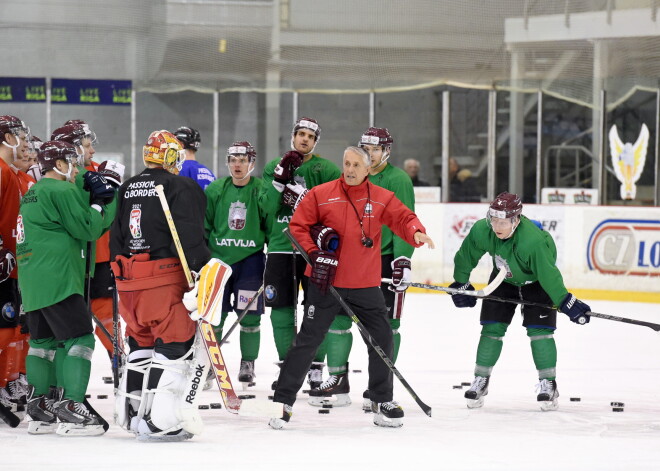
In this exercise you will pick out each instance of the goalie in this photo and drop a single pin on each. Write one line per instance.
(157, 393)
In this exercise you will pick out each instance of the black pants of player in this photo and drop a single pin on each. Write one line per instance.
(369, 306)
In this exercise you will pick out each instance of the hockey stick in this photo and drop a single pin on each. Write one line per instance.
(363, 330)
(599, 315)
(115, 339)
(8, 416)
(295, 293)
(482, 293)
(229, 397)
(241, 316)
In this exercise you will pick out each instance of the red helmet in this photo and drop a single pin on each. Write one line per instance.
(377, 137)
(307, 123)
(12, 125)
(505, 205)
(52, 151)
(73, 133)
(242, 148)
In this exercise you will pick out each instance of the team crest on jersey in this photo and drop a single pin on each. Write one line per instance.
(20, 230)
(134, 223)
(368, 208)
(501, 262)
(237, 216)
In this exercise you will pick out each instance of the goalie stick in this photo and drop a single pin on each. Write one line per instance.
(363, 330)
(229, 397)
(598, 315)
(8, 416)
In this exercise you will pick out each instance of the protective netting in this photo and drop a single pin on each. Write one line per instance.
(339, 46)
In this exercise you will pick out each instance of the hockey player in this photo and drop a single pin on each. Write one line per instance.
(395, 255)
(530, 256)
(356, 209)
(100, 287)
(285, 180)
(14, 137)
(157, 391)
(191, 139)
(236, 236)
(54, 225)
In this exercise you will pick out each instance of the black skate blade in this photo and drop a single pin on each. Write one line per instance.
(9, 417)
(104, 423)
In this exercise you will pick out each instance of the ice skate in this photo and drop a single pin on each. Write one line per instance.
(548, 394)
(366, 401)
(478, 389)
(147, 432)
(7, 400)
(76, 420)
(41, 415)
(387, 414)
(335, 385)
(277, 423)
(246, 374)
(315, 375)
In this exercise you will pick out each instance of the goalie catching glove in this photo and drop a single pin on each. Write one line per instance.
(204, 301)
(400, 274)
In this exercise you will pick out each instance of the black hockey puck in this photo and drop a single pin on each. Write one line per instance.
(617, 404)
(216, 405)
(324, 411)
(88, 396)
(107, 378)
(617, 409)
(367, 411)
(305, 391)
(108, 381)
(465, 383)
(457, 386)
(357, 371)
(247, 396)
(326, 406)
(203, 406)
(575, 399)
(271, 397)
(101, 396)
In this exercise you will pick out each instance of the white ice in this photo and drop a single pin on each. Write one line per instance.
(601, 362)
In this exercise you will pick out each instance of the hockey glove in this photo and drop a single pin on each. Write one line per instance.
(324, 268)
(7, 264)
(100, 191)
(325, 238)
(575, 309)
(292, 195)
(463, 300)
(112, 171)
(284, 171)
(400, 274)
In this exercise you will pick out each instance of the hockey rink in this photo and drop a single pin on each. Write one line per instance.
(601, 362)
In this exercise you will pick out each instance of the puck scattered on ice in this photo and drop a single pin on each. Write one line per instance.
(326, 406)
(617, 409)
(271, 397)
(357, 371)
(324, 411)
(247, 396)
(575, 399)
(367, 411)
(305, 391)
(617, 404)
(203, 406)
(108, 381)
(216, 405)
(101, 396)
(107, 378)
(88, 396)
(457, 386)
(465, 383)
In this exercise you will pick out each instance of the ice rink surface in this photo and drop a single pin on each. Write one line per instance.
(601, 362)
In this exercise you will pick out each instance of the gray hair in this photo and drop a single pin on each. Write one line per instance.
(410, 161)
(361, 152)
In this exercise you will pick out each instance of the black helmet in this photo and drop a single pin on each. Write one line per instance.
(189, 137)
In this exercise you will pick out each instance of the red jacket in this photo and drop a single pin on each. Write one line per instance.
(359, 266)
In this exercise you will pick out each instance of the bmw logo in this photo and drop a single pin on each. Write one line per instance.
(271, 292)
(8, 312)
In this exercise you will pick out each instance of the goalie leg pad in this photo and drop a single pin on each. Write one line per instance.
(129, 394)
(211, 287)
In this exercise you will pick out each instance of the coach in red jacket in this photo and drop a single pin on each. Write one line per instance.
(356, 210)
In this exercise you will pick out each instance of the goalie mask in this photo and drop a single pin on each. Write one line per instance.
(377, 137)
(310, 124)
(239, 154)
(163, 148)
(12, 125)
(504, 214)
(189, 137)
(52, 151)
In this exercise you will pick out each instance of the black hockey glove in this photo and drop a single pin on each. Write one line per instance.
(400, 274)
(292, 195)
(325, 238)
(324, 268)
(463, 300)
(575, 309)
(100, 191)
(7, 264)
(284, 171)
